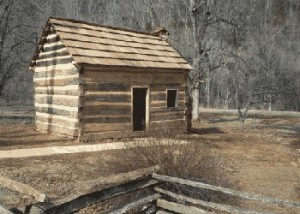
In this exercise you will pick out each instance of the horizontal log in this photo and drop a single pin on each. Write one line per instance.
(51, 44)
(54, 67)
(165, 86)
(108, 110)
(58, 129)
(240, 194)
(179, 208)
(159, 116)
(56, 73)
(100, 93)
(54, 54)
(54, 61)
(57, 110)
(167, 123)
(96, 104)
(106, 87)
(21, 188)
(163, 103)
(64, 100)
(133, 77)
(107, 119)
(97, 196)
(165, 109)
(109, 97)
(135, 204)
(159, 96)
(57, 81)
(72, 90)
(54, 47)
(59, 120)
(210, 205)
(94, 127)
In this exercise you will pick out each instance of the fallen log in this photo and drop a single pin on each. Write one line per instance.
(22, 188)
(211, 205)
(135, 204)
(244, 195)
(179, 208)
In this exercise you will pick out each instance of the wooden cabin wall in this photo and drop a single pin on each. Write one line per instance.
(57, 92)
(107, 104)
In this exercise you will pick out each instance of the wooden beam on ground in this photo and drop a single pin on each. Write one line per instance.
(22, 188)
(179, 208)
(90, 198)
(240, 194)
(211, 205)
(4, 211)
(135, 204)
(116, 179)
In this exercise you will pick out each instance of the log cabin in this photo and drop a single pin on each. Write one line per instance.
(93, 82)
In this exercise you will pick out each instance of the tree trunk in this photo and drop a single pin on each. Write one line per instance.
(270, 106)
(207, 92)
(195, 95)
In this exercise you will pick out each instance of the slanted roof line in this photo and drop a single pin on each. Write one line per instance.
(99, 25)
(89, 43)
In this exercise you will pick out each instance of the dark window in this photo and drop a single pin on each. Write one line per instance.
(172, 98)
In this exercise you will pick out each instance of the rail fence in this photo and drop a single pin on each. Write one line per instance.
(144, 192)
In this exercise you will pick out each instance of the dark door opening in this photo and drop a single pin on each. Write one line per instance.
(139, 109)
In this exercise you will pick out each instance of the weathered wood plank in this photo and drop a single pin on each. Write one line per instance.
(72, 90)
(210, 205)
(165, 109)
(94, 127)
(109, 98)
(164, 86)
(179, 208)
(95, 104)
(108, 110)
(159, 116)
(133, 77)
(54, 61)
(54, 54)
(54, 48)
(240, 194)
(59, 120)
(106, 87)
(121, 55)
(107, 119)
(97, 196)
(56, 73)
(54, 67)
(57, 81)
(57, 110)
(63, 100)
(22, 188)
(167, 123)
(136, 204)
(54, 128)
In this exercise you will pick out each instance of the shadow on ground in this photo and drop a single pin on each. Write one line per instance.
(210, 130)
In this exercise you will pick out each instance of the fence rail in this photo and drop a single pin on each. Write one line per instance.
(153, 200)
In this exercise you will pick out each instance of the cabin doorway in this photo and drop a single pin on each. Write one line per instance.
(139, 113)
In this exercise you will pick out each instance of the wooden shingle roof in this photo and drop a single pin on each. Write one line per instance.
(101, 45)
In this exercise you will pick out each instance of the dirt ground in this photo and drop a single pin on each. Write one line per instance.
(260, 157)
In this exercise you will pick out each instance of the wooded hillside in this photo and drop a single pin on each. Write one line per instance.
(243, 52)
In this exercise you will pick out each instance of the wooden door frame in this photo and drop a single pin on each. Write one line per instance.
(147, 122)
